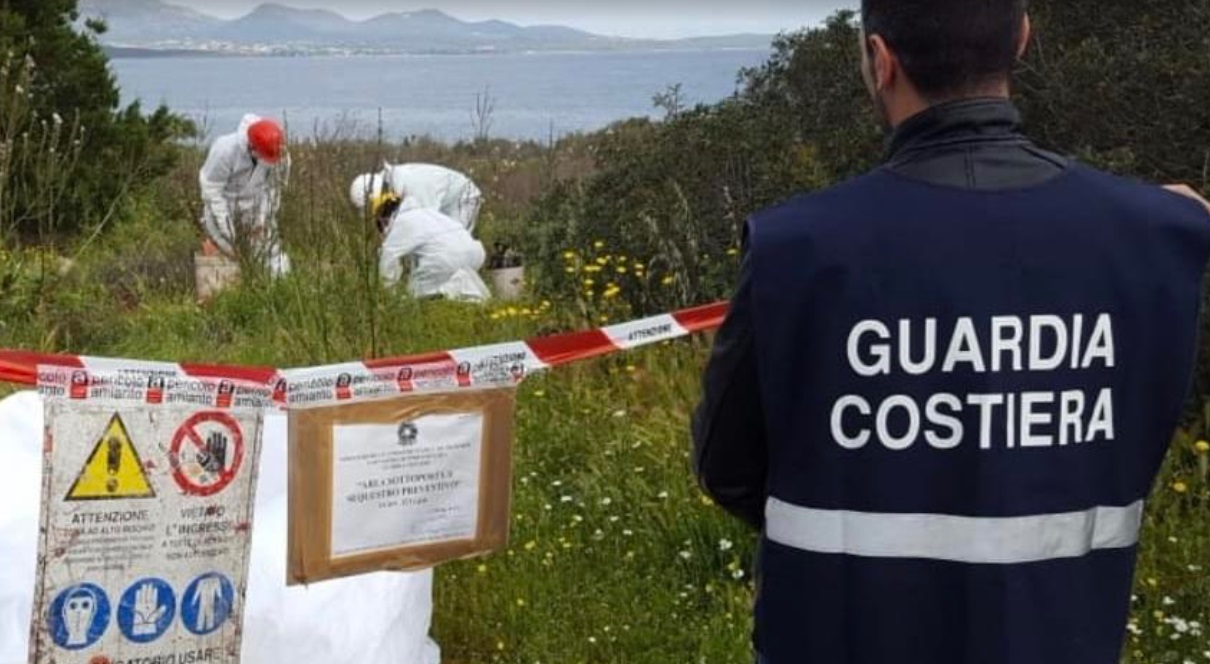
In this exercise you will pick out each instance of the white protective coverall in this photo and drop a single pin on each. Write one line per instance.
(381, 618)
(445, 259)
(435, 187)
(240, 192)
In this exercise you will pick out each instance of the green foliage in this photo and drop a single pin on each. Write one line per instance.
(812, 86)
(59, 95)
(674, 196)
(1124, 84)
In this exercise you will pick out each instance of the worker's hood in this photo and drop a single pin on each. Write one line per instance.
(248, 120)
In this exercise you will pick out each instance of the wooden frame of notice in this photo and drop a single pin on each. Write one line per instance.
(311, 479)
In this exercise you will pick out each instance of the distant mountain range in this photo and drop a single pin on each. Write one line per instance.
(150, 27)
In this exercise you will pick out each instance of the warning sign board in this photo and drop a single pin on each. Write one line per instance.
(145, 532)
(114, 470)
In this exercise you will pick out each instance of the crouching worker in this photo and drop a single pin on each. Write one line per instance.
(444, 258)
(241, 185)
(423, 186)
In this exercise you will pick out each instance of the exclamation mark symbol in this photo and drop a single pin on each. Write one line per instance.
(113, 463)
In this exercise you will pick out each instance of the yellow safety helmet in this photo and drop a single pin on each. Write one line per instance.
(381, 201)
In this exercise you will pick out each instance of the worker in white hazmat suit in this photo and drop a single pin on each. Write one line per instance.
(423, 186)
(444, 258)
(241, 184)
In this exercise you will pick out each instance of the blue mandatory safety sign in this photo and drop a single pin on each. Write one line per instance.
(207, 603)
(146, 610)
(79, 616)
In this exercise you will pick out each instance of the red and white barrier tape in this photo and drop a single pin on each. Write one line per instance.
(21, 367)
(484, 366)
(471, 367)
(143, 386)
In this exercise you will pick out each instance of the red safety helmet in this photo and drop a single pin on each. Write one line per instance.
(267, 140)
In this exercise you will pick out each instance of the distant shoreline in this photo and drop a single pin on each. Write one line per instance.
(148, 53)
(124, 52)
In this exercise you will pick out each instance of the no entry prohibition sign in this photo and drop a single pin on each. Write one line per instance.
(206, 454)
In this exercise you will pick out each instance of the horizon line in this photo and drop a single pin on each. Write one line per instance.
(467, 21)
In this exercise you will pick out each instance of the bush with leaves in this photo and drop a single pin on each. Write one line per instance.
(68, 91)
(671, 197)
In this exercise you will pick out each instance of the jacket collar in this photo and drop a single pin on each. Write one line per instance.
(965, 122)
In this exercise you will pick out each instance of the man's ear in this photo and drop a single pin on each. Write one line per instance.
(1026, 35)
(883, 63)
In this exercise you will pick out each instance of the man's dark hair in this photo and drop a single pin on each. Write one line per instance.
(948, 47)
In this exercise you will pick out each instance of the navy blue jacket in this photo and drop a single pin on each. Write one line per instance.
(944, 392)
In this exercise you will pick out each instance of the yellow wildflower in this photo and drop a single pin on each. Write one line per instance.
(1180, 487)
(569, 255)
(1202, 447)
(598, 244)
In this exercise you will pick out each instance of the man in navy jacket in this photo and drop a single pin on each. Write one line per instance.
(945, 389)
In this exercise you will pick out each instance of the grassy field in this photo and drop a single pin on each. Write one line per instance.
(615, 555)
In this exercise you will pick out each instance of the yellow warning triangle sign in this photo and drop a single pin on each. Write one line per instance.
(113, 470)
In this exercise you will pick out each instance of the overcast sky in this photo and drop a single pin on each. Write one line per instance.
(626, 18)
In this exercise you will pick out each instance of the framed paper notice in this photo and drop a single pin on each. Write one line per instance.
(406, 484)
(402, 484)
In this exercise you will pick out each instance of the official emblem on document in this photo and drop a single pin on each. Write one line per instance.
(409, 434)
